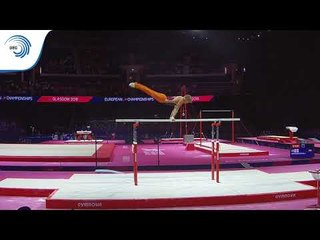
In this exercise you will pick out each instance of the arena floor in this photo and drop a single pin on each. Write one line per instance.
(169, 177)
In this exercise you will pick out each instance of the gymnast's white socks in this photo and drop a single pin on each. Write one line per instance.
(132, 85)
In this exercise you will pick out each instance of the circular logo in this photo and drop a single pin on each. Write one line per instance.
(19, 45)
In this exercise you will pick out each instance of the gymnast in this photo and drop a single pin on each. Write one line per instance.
(177, 101)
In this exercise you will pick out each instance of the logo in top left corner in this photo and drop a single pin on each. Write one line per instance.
(18, 45)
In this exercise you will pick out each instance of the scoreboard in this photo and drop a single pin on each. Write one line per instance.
(302, 150)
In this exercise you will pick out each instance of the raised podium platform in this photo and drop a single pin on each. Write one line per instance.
(84, 141)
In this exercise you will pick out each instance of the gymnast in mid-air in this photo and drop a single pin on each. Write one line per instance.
(177, 101)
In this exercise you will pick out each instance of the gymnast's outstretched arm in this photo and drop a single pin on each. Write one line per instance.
(176, 109)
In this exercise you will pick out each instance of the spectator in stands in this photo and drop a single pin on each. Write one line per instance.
(177, 101)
